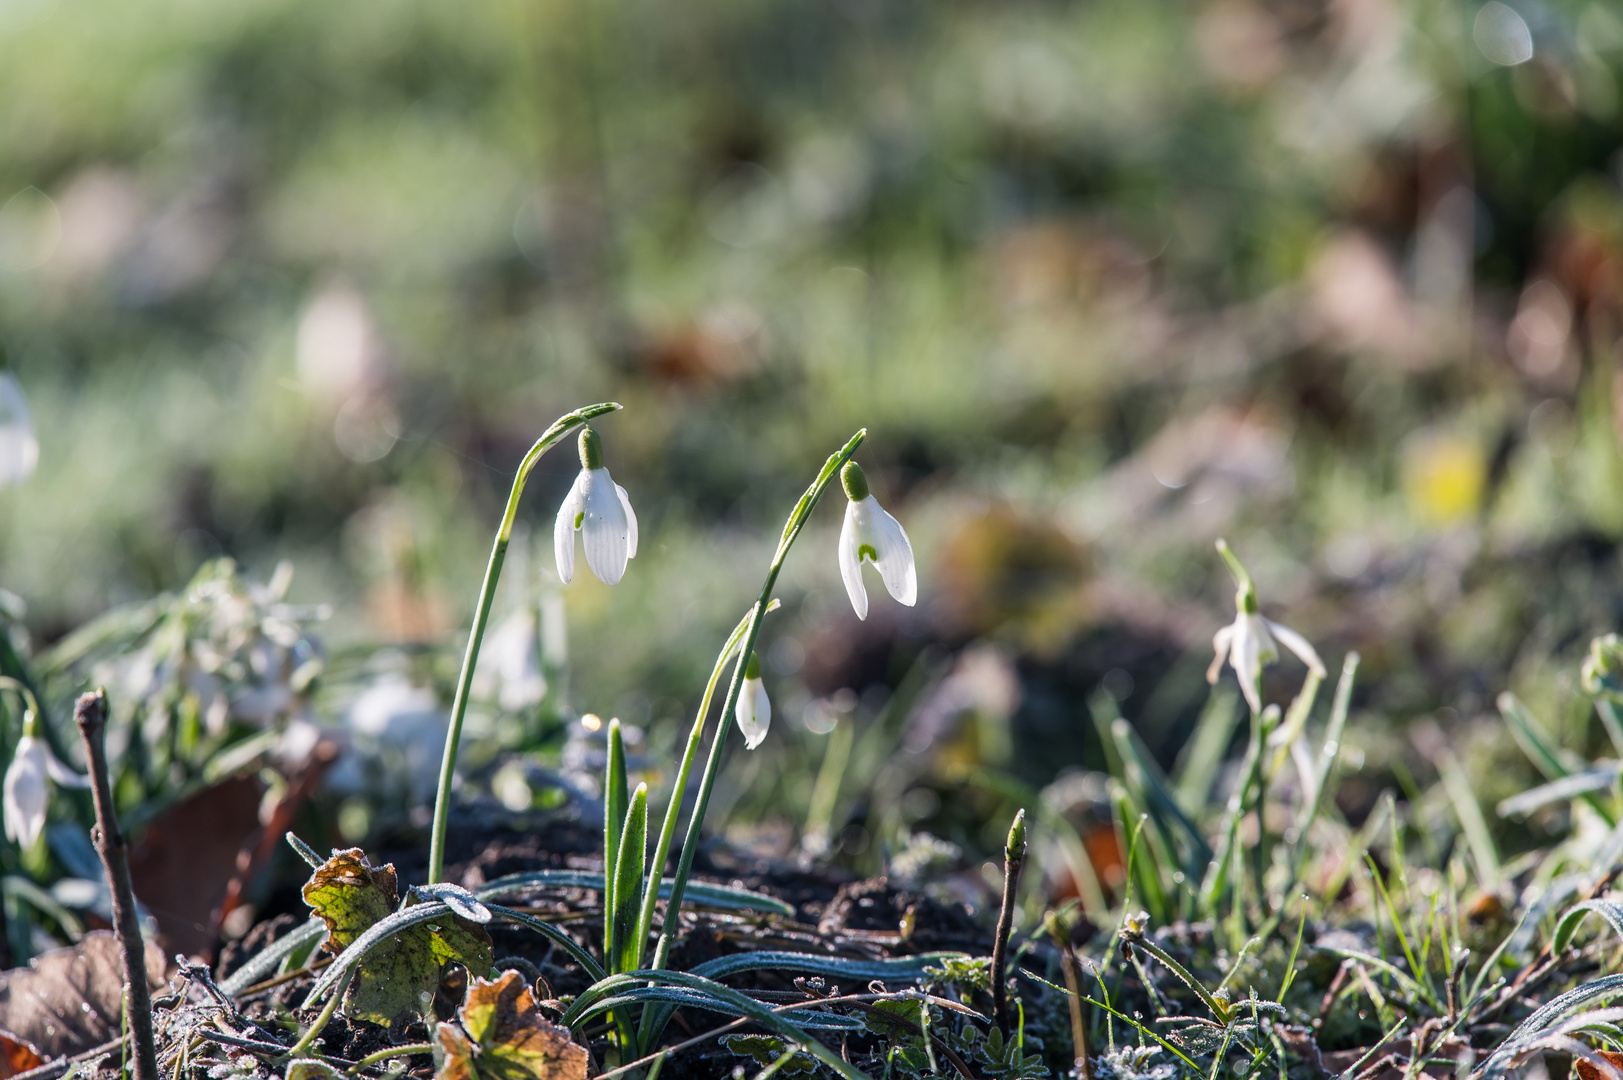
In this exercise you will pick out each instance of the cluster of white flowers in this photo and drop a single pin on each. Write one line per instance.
(600, 510)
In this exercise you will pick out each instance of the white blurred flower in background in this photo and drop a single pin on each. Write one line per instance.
(19, 447)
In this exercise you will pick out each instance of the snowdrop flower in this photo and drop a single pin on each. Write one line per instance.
(26, 792)
(1248, 643)
(19, 449)
(871, 534)
(754, 710)
(600, 510)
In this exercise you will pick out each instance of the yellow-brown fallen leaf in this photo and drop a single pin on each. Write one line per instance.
(401, 972)
(504, 1036)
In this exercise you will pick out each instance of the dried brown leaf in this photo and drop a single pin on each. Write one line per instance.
(507, 1037)
(69, 1000)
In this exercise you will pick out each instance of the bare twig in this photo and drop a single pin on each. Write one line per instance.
(90, 713)
(1014, 858)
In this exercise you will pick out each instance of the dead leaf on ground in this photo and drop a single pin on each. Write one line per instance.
(17, 1055)
(350, 894)
(402, 972)
(504, 1036)
(69, 1000)
(1588, 1070)
(187, 856)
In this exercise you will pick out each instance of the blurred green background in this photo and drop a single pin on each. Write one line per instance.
(1105, 279)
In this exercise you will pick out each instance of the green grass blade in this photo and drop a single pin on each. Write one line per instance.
(1202, 756)
(1477, 834)
(1590, 780)
(1550, 759)
(1610, 910)
(1154, 792)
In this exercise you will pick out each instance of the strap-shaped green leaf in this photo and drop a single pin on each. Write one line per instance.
(1598, 778)
(676, 997)
(625, 952)
(615, 799)
(1610, 910)
(594, 1000)
(265, 961)
(704, 894)
(1544, 1017)
(835, 967)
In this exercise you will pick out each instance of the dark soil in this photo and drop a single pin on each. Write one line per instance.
(836, 915)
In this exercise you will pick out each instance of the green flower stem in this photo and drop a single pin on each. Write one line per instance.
(498, 553)
(392, 1052)
(690, 844)
(667, 832)
(1240, 804)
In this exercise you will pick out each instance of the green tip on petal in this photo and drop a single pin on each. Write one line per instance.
(854, 482)
(591, 448)
(752, 669)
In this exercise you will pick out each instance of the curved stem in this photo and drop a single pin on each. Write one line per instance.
(498, 552)
(667, 832)
(392, 1052)
(690, 843)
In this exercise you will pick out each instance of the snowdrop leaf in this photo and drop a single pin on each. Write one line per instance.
(458, 899)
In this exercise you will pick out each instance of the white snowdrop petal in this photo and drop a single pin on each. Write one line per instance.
(25, 794)
(850, 566)
(1299, 645)
(1267, 651)
(895, 560)
(604, 528)
(631, 522)
(563, 530)
(63, 775)
(1248, 665)
(753, 712)
(1220, 646)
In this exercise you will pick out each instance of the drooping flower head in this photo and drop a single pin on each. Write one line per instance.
(1248, 643)
(27, 792)
(599, 510)
(754, 709)
(872, 535)
(19, 447)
